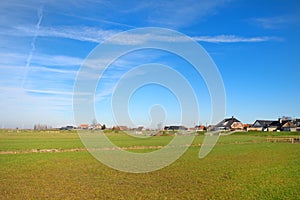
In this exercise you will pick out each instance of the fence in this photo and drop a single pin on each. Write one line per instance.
(284, 139)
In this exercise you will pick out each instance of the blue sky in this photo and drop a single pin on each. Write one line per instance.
(255, 45)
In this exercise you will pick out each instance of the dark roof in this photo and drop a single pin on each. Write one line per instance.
(226, 123)
(178, 128)
(263, 123)
(175, 128)
(297, 122)
(276, 124)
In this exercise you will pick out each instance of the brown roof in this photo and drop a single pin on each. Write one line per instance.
(289, 125)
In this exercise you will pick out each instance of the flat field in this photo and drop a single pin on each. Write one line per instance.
(55, 165)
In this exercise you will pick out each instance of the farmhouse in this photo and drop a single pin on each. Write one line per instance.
(297, 123)
(282, 124)
(289, 126)
(275, 126)
(200, 128)
(120, 128)
(67, 128)
(229, 124)
(83, 126)
(175, 128)
(261, 125)
(97, 126)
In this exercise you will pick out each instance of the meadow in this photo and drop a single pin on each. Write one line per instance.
(241, 166)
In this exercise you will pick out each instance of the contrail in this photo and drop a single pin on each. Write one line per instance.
(28, 61)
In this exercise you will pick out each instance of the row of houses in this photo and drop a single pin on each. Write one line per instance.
(282, 124)
(228, 124)
(85, 127)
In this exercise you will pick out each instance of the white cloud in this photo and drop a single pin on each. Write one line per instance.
(176, 14)
(233, 39)
(271, 22)
(81, 33)
(32, 50)
(55, 92)
(18, 59)
(142, 38)
(56, 60)
(95, 35)
(29, 109)
(47, 69)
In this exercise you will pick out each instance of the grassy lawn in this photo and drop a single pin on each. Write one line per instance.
(239, 167)
(27, 140)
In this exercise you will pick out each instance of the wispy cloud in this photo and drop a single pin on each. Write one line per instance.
(47, 69)
(271, 22)
(171, 14)
(46, 73)
(49, 92)
(142, 38)
(16, 59)
(56, 60)
(234, 39)
(90, 34)
(40, 17)
(109, 22)
(177, 14)
(40, 62)
(32, 108)
(81, 33)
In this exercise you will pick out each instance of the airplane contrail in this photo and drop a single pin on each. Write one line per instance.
(28, 61)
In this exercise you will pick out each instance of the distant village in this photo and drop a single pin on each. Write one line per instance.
(228, 124)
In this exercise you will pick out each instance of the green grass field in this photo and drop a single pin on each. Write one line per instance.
(241, 166)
